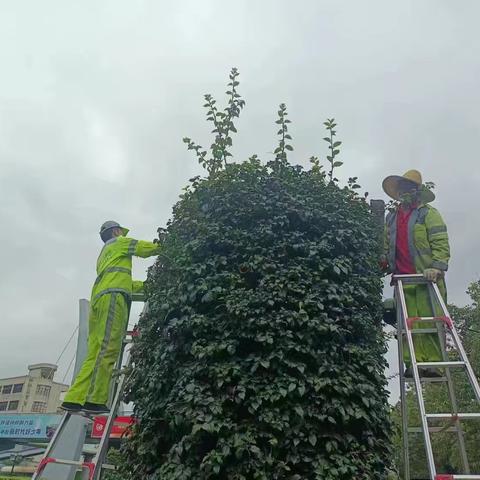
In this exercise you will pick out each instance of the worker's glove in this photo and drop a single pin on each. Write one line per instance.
(383, 263)
(432, 274)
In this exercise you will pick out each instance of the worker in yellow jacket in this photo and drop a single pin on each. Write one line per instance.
(109, 310)
(416, 241)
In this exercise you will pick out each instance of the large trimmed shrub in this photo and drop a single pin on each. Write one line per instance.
(261, 355)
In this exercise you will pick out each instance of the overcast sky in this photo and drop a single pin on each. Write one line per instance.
(96, 96)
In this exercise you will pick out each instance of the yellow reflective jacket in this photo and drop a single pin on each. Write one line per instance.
(427, 239)
(114, 266)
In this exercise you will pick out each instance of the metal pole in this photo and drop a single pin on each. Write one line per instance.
(72, 438)
(82, 341)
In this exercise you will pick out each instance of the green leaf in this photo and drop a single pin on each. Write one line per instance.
(299, 410)
(312, 439)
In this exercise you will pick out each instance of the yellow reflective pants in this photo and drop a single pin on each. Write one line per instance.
(107, 324)
(419, 304)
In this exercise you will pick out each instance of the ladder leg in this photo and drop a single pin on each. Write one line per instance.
(418, 386)
(434, 294)
(458, 345)
(51, 444)
(443, 323)
(118, 368)
(454, 405)
(460, 432)
(403, 396)
(101, 454)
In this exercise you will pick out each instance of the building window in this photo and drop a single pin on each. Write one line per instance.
(17, 388)
(43, 390)
(3, 406)
(7, 389)
(39, 407)
(13, 405)
(47, 373)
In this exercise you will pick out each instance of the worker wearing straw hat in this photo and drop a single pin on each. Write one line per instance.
(416, 241)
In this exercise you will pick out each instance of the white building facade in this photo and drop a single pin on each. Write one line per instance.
(36, 392)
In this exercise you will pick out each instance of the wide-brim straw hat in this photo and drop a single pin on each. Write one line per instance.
(391, 185)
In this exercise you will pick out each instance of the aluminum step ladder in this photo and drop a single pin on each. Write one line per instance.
(92, 470)
(444, 325)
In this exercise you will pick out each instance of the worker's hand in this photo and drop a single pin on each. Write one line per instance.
(383, 263)
(432, 274)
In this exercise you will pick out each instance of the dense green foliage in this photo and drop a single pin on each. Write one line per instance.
(445, 444)
(262, 354)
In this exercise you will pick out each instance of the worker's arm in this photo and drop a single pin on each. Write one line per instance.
(137, 286)
(438, 239)
(138, 294)
(140, 248)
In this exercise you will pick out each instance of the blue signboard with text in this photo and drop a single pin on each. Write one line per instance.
(29, 426)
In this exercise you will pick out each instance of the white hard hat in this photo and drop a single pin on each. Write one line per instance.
(112, 224)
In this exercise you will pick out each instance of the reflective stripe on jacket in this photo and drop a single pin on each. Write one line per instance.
(114, 266)
(427, 239)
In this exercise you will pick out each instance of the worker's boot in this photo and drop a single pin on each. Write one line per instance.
(71, 406)
(95, 408)
(430, 372)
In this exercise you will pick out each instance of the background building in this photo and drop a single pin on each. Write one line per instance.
(36, 392)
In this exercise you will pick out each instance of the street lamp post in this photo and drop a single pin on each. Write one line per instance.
(14, 458)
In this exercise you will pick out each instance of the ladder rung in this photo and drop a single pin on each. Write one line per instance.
(453, 416)
(428, 380)
(444, 319)
(450, 476)
(417, 331)
(441, 364)
(410, 278)
(433, 429)
(90, 416)
(465, 477)
(90, 466)
(68, 462)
